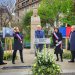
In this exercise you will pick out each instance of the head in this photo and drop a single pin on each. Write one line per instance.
(73, 28)
(56, 30)
(16, 29)
(35, 11)
(39, 27)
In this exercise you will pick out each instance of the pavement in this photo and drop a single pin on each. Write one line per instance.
(29, 57)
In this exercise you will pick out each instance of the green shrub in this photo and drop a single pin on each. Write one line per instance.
(8, 56)
(45, 64)
(27, 38)
(67, 54)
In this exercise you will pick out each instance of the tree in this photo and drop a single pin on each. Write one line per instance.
(6, 10)
(50, 10)
(5, 16)
(9, 4)
(26, 22)
(70, 18)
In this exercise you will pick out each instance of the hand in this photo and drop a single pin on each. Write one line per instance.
(21, 41)
(56, 41)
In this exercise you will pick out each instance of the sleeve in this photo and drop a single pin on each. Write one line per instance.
(0, 44)
(35, 34)
(14, 35)
(60, 36)
(53, 38)
(22, 36)
(43, 34)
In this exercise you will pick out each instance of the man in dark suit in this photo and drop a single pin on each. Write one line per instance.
(39, 33)
(18, 44)
(1, 52)
(72, 43)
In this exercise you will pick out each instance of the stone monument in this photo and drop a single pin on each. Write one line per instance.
(35, 20)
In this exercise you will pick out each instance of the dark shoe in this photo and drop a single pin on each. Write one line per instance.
(22, 61)
(13, 62)
(57, 60)
(3, 63)
(61, 60)
(71, 61)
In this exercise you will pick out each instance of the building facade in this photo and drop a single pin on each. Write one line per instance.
(23, 6)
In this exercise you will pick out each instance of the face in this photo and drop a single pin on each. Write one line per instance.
(56, 30)
(72, 29)
(38, 28)
(35, 12)
(17, 29)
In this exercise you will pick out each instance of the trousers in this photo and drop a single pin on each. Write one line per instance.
(14, 55)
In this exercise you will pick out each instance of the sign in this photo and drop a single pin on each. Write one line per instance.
(7, 32)
(42, 41)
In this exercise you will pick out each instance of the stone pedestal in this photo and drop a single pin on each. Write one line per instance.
(35, 20)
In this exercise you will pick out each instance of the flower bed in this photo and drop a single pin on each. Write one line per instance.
(45, 64)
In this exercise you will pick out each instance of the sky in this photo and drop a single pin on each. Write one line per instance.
(9, 3)
(2, 1)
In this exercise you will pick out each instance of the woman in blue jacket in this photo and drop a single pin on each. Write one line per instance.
(39, 33)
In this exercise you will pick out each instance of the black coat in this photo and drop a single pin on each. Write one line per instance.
(57, 48)
(72, 41)
(17, 42)
(1, 53)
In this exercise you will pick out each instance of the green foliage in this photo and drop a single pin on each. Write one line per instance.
(70, 19)
(67, 54)
(45, 64)
(49, 10)
(8, 56)
(27, 38)
(27, 20)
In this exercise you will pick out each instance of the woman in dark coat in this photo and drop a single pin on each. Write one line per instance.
(57, 39)
(18, 45)
(72, 44)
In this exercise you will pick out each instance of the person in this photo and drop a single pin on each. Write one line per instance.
(57, 40)
(68, 47)
(72, 43)
(1, 53)
(39, 33)
(18, 45)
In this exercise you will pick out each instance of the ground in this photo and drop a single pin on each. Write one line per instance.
(25, 68)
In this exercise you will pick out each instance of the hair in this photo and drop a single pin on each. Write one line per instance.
(56, 28)
(39, 26)
(15, 29)
(73, 27)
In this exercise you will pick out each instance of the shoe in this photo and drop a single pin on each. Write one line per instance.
(22, 61)
(13, 62)
(71, 61)
(57, 60)
(61, 60)
(3, 63)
